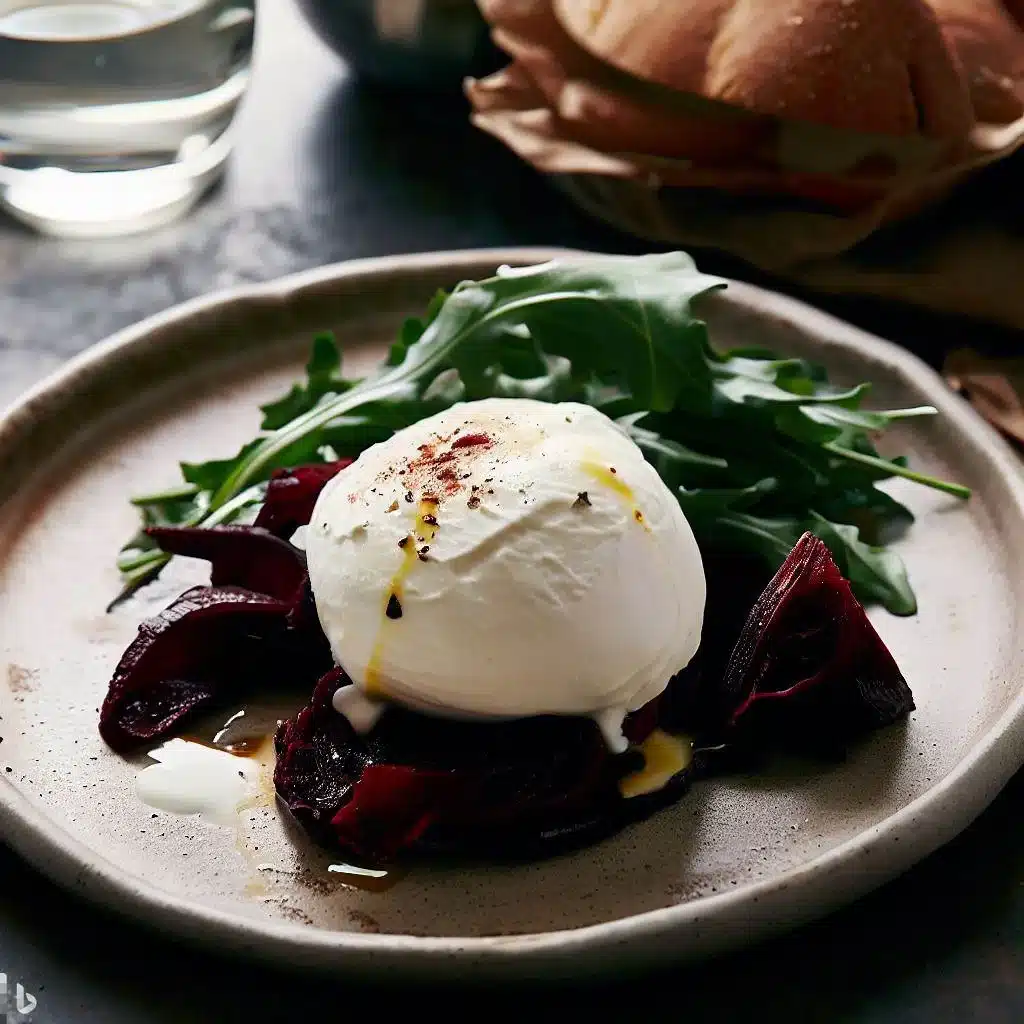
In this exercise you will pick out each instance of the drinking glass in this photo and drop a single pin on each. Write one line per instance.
(115, 115)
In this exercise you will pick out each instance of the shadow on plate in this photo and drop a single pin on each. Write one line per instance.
(870, 776)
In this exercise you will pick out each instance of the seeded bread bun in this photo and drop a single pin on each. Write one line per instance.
(875, 66)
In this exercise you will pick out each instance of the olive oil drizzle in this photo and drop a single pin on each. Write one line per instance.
(415, 548)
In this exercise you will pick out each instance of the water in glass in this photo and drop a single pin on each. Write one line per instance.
(115, 115)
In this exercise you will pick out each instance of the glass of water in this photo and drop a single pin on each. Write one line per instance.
(115, 115)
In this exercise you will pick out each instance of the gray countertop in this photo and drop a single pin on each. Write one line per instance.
(327, 169)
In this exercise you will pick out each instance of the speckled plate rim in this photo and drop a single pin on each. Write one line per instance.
(700, 927)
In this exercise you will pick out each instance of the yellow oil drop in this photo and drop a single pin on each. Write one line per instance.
(424, 532)
(426, 519)
(664, 756)
(605, 476)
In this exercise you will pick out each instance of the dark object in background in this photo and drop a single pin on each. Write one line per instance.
(432, 43)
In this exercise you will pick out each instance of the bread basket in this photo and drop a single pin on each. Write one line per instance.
(782, 131)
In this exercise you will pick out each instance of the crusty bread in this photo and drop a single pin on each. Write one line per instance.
(663, 42)
(574, 88)
(876, 66)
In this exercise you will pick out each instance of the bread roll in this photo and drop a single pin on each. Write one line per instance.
(591, 111)
(875, 66)
(663, 42)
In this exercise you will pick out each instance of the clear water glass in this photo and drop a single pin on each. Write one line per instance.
(115, 115)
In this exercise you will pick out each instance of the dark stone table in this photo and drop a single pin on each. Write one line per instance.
(325, 170)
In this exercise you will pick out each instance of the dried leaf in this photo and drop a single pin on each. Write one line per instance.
(994, 387)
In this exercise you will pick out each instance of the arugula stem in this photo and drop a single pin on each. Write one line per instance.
(223, 513)
(148, 565)
(299, 428)
(170, 494)
(142, 571)
(958, 490)
(906, 414)
(140, 561)
(392, 383)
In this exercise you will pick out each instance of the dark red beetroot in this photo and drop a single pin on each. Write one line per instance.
(304, 624)
(291, 495)
(186, 656)
(239, 556)
(256, 624)
(212, 645)
(809, 670)
(420, 783)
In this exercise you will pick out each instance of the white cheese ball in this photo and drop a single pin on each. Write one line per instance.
(506, 558)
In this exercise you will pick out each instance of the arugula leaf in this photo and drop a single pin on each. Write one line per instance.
(741, 379)
(668, 456)
(207, 476)
(628, 318)
(822, 423)
(874, 573)
(770, 538)
(413, 327)
(323, 377)
(624, 318)
(702, 503)
(758, 448)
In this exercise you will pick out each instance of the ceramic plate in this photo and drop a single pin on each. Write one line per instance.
(734, 859)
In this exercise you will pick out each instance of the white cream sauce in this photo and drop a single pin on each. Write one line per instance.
(191, 778)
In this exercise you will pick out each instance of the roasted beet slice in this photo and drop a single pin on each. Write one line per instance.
(312, 773)
(393, 806)
(291, 495)
(427, 784)
(208, 641)
(239, 556)
(211, 645)
(809, 669)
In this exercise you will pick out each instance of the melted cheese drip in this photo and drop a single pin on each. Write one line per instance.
(192, 778)
(664, 757)
(607, 477)
(352, 876)
(423, 534)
